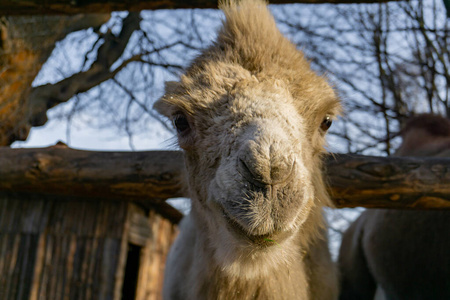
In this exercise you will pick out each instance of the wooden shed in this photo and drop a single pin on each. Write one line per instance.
(55, 246)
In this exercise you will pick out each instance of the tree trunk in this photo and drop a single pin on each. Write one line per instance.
(25, 44)
(151, 177)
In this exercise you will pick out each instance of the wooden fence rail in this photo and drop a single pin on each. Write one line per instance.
(154, 176)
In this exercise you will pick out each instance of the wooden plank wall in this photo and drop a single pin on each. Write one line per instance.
(153, 257)
(60, 249)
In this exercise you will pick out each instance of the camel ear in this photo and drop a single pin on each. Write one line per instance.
(163, 107)
(166, 105)
(172, 87)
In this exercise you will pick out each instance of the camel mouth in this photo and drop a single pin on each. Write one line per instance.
(264, 240)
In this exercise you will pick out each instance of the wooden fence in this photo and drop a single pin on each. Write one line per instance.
(149, 178)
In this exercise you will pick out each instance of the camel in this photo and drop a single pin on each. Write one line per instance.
(251, 117)
(401, 254)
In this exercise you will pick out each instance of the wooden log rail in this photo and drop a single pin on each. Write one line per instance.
(151, 177)
(23, 7)
(389, 182)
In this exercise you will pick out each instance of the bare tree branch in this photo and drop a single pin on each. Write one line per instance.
(47, 96)
(74, 7)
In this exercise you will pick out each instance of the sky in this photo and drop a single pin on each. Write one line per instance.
(69, 57)
(87, 138)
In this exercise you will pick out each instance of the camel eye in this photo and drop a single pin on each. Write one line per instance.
(181, 124)
(326, 123)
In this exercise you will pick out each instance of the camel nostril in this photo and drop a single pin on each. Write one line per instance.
(273, 173)
(281, 172)
(250, 174)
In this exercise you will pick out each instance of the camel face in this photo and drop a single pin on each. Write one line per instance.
(252, 152)
(261, 186)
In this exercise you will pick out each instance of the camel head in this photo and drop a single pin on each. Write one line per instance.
(251, 117)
